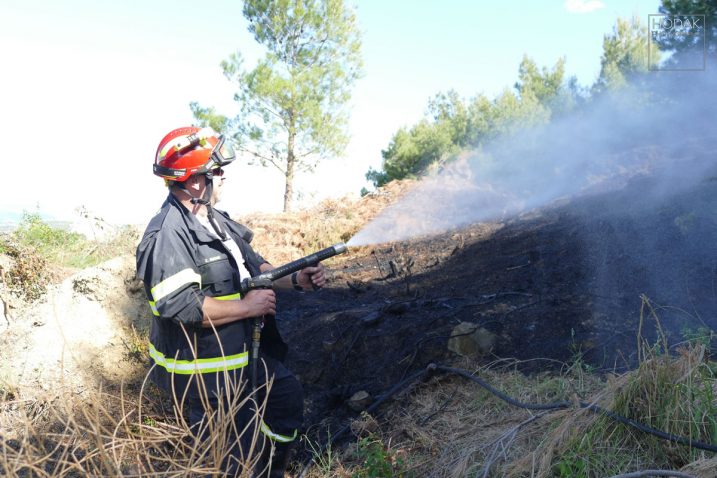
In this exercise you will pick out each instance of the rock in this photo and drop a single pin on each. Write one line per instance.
(469, 340)
(359, 401)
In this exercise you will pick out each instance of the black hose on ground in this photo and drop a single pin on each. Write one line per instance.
(652, 473)
(590, 406)
(432, 368)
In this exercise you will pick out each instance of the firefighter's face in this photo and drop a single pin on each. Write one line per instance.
(195, 184)
(217, 188)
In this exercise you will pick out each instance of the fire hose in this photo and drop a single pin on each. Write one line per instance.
(433, 368)
(265, 281)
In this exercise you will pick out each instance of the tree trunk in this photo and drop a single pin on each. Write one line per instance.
(289, 189)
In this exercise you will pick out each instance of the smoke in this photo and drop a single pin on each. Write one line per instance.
(661, 127)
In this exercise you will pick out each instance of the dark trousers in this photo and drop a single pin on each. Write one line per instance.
(283, 415)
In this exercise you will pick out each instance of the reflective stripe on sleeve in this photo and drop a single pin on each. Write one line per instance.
(175, 282)
(236, 296)
(275, 436)
(202, 365)
(153, 306)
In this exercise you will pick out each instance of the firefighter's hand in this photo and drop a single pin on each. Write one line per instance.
(260, 302)
(312, 277)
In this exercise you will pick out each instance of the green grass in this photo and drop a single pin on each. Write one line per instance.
(379, 460)
(675, 395)
(66, 248)
(39, 251)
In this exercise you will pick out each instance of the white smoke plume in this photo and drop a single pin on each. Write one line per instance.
(664, 126)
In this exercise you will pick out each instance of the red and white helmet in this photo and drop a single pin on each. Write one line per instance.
(187, 151)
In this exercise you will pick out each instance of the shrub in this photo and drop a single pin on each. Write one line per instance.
(38, 249)
(29, 275)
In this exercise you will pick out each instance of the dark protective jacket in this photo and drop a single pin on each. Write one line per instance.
(181, 263)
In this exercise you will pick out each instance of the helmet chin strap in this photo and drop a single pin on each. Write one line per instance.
(205, 200)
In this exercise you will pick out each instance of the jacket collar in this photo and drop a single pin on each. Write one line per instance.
(192, 223)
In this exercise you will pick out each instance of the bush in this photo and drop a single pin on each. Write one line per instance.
(38, 248)
(29, 275)
(378, 460)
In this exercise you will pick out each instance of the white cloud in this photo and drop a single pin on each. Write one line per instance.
(583, 6)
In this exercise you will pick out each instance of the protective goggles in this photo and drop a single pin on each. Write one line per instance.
(222, 153)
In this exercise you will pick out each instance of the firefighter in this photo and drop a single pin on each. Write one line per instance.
(191, 259)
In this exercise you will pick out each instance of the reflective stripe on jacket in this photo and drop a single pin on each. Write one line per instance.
(181, 263)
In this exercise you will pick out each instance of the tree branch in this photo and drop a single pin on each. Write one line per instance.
(264, 158)
(311, 151)
(265, 105)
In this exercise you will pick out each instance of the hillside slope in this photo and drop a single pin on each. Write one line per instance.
(571, 283)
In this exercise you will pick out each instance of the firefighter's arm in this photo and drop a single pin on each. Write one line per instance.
(255, 303)
(307, 278)
(172, 283)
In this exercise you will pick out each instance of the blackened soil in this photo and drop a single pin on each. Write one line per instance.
(571, 279)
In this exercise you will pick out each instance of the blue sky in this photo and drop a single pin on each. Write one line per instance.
(89, 87)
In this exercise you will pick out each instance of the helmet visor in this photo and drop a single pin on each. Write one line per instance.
(222, 153)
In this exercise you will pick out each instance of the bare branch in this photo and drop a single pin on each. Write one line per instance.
(263, 158)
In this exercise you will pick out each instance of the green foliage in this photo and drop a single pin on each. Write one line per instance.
(544, 85)
(325, 460)
(701, 335)
(669, 394)
(588, 457)
(68, 249)
(136, 345)
(209, 117)
(680, 9)
(625, 55)
(571, 467)
(293, 102)
(452, 125)
(48, 241)
(378, 461)
(411, 152)
(38, 249)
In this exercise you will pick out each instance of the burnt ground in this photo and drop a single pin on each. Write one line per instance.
(554, 284)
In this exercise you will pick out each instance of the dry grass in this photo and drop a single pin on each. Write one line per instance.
(672, 393)
(456, 428)
(451, 428)
(114, 434)
(289, 236)
(445, 427)
(127, 432)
